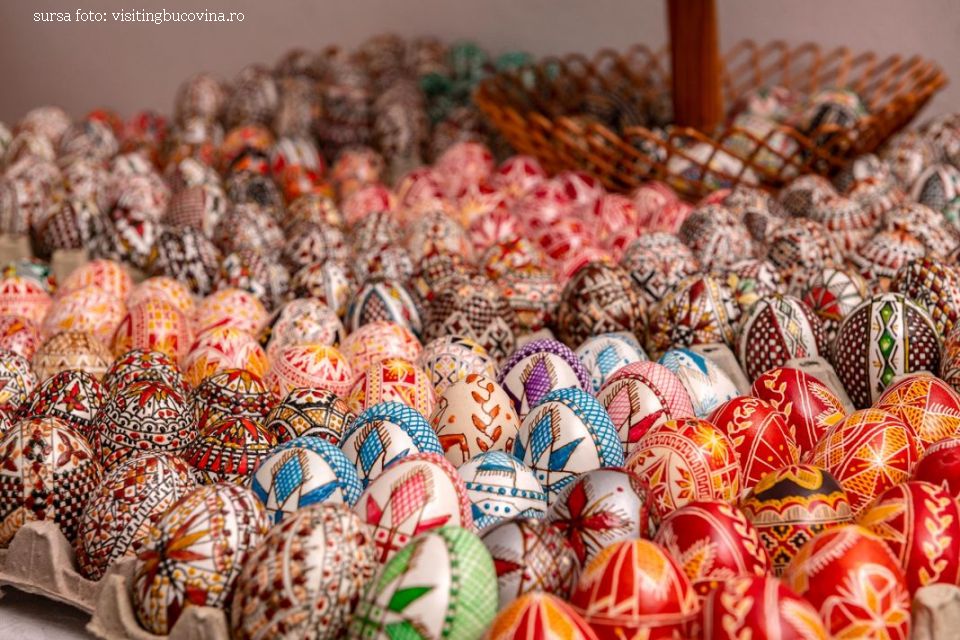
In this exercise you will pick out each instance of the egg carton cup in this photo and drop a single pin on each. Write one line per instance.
(936, 612)
(721, 355)
(825, 373)
(14, 247)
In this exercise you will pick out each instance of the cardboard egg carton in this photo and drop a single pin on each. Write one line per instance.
(720, 355)
(40, 560)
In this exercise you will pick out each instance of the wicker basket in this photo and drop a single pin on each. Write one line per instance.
(539, 110)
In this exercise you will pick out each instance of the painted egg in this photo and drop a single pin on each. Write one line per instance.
(715, 236)
(89, 309)
(602, 507)
(222, 348)
(195, 553)
(928, 405)
(440, 585)
(392, 380)
(698, 310)
(602, 356)
(707, 385)
(473, 307)
(186, 255)
(71, 350)
(567, 434)
(229, 450)
(230, 308)
(73, 396)
(530, 555)
(938, 187)
(379, 341)
(869, 452)
(49, 473)
(303, 472)
(147, 416)
(934, 286)
(302, 321)
(751, 279)
(328, 282)
(536, 369)
(20, 335)
(790, 506)
(801, 247)
(940, 464)
(687, 460)
(17, 381)
(778, 328)
(832, 294)
(920, 524)
(154, 325)
(383, 434)
(310, 365)
(500, 488)
(763, 440)
(383, 300)
(713, 543)
(805, 403)
(641, 395)
(256, 272)
(450, 359)
(758, 607)
(305, 576)
(132, 498)
(234, 393)
(107, 275)
(420, 492)
(854, 581)
(310, 412)
(24, 297)
(635, 589)
(598, 299)
(539, 615)
(160, 287)
(474, 416)
(138, 364)
(534, 296)
(658, 262)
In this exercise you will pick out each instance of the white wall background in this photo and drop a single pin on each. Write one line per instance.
(131, 66)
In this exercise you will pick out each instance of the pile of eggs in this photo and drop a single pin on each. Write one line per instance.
(483, 400)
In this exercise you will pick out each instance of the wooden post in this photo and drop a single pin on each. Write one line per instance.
(695, 58)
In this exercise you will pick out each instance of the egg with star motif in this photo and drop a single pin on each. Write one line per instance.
(234, 393)
(220, 349)
(73, 396)
(229, 450)
(927, 404)
(310, 365)
(309, 412)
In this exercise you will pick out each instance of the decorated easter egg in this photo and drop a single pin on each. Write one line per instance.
(763, 440)
(20, 335)
(309, 412)
(309, 365)
(530, 555)
(714, 542)
(854, 581)
(707, 385)
(886, 252)
(17, 381)
(500, 487)
(933, 285)
(658, 262)
(107, 275)
(800, 248)
(138, 364)
(928, 405)
(303, 472)
(598, 299)
(305, 576)
(230, 308)
(567, 434)
(72, 395)
(687, 460)
(328, 282)
(195, 553)
(302, 321)
(420, 492)
(173, 291)
(378, 341)
(634, 588)
(89, 309)
(939, 465)
(602, 356)
(920, 523)
(71, 350)
(187, 255)
(229, 450)
(602, 507)
(234, 393)
(869, 452)
(49, 473)
(393, 379)
(474, 416)
(715, 236)
(450, 359)
(132, 498)
(759, 607)
(383, 300)
(442, 585)
(805, 403)
(475, 308)
(155, 325)
(698, 310)
(222, 348)
(886, 336)
(536, 369)
(778, 328)
(539, 615)
(146, 416)
(383, 434)
(750, 279)
(832, 294)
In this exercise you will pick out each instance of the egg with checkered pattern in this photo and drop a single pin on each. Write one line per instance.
(778, 328)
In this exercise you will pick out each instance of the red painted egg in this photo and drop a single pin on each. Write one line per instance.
(713, 542)
(538, 616)
(854, 581)
(103, 274)
(940, 464)
(927, 404)
(153, 325)
(760, 608)
(920, 522)
(806, 403)
(25, 297)
(869, 452)
(20, 335)
(311, 365)
(220, 349)
(393, 380)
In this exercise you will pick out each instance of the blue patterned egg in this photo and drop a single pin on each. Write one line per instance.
(567, 434)
(301, 472)
(604, 354)
(707, 384)
(385, 433)
(536, 369)
(500, 487)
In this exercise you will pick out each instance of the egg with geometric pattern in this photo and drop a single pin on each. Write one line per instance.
(539, 615)
(231, 393)
(229, 450)
(450, 359)
(309, 412)
(927, 404)
(155, 325)
(390, 380)
(706, 383)
(222, 348)
(776, 329)
(604, 355)
(500, 488)
(536, 369)
(74, 396)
